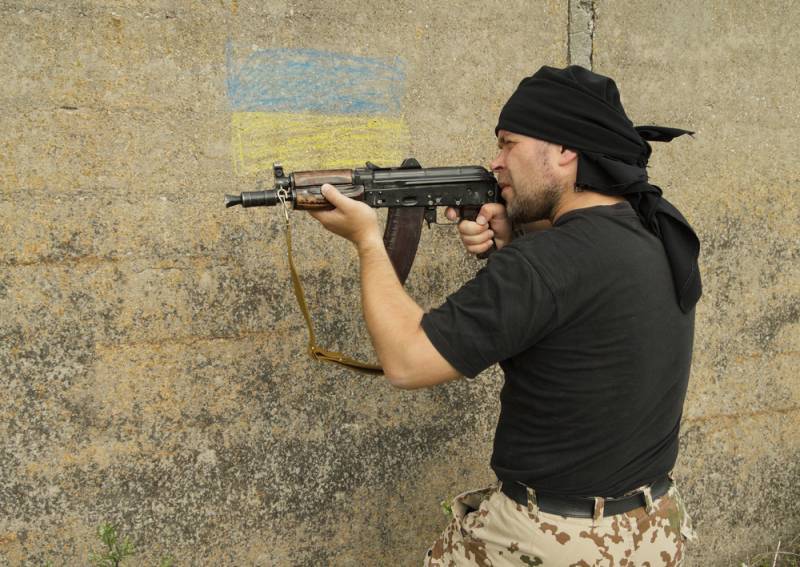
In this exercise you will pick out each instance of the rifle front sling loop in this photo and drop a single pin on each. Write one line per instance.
(313, 350)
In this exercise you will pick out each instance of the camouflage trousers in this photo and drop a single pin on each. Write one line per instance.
(490, 529)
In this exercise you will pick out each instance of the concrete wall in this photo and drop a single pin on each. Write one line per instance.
(153, 364)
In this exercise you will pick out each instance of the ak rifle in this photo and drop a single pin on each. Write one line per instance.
(411, 194)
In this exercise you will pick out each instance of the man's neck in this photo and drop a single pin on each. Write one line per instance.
(572, 200)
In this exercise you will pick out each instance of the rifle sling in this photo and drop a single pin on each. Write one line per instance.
(314, 350)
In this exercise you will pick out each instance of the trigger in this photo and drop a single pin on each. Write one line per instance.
(430, 215)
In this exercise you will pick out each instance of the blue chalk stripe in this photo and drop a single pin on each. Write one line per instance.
(309, 80)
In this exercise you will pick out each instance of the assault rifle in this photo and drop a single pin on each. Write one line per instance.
(410, 192)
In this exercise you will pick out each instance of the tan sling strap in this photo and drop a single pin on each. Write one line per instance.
(314, 350)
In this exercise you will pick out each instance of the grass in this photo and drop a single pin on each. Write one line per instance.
(785, 554)
(116, 549)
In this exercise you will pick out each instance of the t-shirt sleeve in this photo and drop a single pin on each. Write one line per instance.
(505, 309)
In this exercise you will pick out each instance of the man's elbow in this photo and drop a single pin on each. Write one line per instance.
(402, 378)
(416, 364)
(418, 376)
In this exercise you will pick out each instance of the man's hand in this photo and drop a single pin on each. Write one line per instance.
(491, 222)
(351, 219)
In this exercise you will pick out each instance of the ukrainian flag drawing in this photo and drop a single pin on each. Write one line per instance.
(311, 109)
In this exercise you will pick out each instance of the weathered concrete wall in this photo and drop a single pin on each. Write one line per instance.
(152, 356)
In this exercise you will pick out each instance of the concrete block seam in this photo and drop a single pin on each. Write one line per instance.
(581, 32)
(189, 340)
(52, 260)
(740, 416)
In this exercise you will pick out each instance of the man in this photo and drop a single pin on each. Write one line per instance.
(590, 319)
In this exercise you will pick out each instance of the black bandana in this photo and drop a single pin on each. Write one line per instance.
(581, 110)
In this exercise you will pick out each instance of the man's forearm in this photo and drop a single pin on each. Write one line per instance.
(392, 316)
(408, 357)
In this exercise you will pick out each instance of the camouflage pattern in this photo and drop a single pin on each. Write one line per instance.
(490, 529)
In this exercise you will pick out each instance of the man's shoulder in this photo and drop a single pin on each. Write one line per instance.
(585, 231)
(549, 242)
(587, 245)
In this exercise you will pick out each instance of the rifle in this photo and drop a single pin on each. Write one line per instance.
(410, 192)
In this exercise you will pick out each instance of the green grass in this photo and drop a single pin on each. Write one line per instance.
(116, 549)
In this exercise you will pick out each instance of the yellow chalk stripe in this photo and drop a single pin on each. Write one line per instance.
(316, 141)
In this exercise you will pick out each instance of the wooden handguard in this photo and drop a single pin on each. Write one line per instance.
(308, 188)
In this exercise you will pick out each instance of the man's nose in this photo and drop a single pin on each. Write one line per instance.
(497, 163)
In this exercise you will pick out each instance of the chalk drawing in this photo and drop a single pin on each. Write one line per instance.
(314, 109)
(315, 141)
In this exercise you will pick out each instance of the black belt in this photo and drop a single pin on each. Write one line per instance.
(580, 507)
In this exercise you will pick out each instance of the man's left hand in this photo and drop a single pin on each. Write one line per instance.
(354, 220)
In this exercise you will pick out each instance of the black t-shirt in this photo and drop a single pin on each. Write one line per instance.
(585, 324)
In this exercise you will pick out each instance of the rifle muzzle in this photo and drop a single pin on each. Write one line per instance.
(266, 198)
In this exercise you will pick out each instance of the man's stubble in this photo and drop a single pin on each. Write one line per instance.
(536, 195)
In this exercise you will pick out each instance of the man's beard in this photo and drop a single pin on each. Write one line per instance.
(534, 204)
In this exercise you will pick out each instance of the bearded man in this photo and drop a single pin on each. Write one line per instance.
(591, 319)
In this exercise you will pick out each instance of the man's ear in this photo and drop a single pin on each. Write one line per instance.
(567, 156)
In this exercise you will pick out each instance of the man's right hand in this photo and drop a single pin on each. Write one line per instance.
(491, 223)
